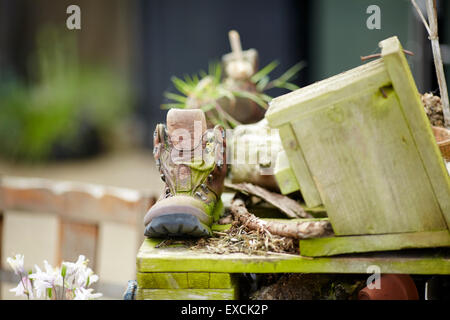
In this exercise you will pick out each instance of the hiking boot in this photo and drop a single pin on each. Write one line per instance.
(191, 162)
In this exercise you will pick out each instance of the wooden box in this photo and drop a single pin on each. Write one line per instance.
(360, 144)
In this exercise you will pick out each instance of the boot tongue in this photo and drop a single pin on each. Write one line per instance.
(186, 127)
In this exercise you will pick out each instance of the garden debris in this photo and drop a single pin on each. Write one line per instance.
(308, 287)
(295, 230)
(433, 109)
(287, 205)
(253, 236)
(240, 239)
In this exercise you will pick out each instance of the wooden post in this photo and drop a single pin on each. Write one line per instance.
(432, 29)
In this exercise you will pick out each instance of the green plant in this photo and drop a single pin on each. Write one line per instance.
(205, 91)
(65, 96)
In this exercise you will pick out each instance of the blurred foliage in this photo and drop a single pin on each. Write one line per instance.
(63, 98)
(206, 89)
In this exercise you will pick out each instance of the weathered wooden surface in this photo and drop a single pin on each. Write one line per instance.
(367, 168)
(364, 139)
(77, 238)
(284, 175)
(290, 106)
(370, 243)
(302, 173)
(65, 219)
(187, 294)
(288, 206)
(77, 201)
(184, 280)
(419, 126)
(151, 259)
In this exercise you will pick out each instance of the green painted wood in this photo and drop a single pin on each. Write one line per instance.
(288, 107)
(367, 168)
(284, 175)
(352, 244)
(151, 259)
(299, 166)
(198, 280)
(403, 83)
(221, 280)
(163, 280)
(186, 294)
(184, 280)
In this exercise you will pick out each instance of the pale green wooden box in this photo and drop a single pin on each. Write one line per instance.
(360, 144)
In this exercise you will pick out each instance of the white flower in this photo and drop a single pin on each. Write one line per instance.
(20, 290)
(73, 268)
(44, 280)
(86, 294)
(17, 264)
(78, 274)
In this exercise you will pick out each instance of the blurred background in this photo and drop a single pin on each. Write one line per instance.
(81, 105)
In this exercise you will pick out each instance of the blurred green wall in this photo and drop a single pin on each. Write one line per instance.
(338, 35)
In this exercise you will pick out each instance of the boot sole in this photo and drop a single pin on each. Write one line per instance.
(176, 225)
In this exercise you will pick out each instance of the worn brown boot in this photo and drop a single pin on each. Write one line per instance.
(191, 162)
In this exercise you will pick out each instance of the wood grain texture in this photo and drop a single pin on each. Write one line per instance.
(78, 238)
(187, 294)
(321, 94)
(151, 259)
(367, 168)
(284, 175)
(184, 280)
(77, 201)
(296, 159)
(352, 244)
(419, 126)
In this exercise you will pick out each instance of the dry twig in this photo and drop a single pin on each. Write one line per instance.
(432, 29)
(287, 205)
(298, 230)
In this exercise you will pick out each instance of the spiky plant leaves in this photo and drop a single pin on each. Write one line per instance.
(264, 71)
(252, 96)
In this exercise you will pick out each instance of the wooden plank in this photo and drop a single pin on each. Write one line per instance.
(404, 85)
(284, 175)
(292, 105)
(116, 249)
(296, 159)
(352, 244)
(184, 280)
(151, 259)
(162, 280)
(76, 201)
(187, 294)
(36, 236)
(367, 168)
(198, 280)
(78, 238)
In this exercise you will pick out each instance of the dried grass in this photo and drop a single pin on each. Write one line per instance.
(239, 239)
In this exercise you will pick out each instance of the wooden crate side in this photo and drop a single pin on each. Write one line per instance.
(151, 259)
(292, 105)
(184, 280)
(284, 175)
(187, 294)
(404, 85)
(367, 168)
(296, 159)
(77, 201)
(369, 243)
(162, 280)
(76, 239)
